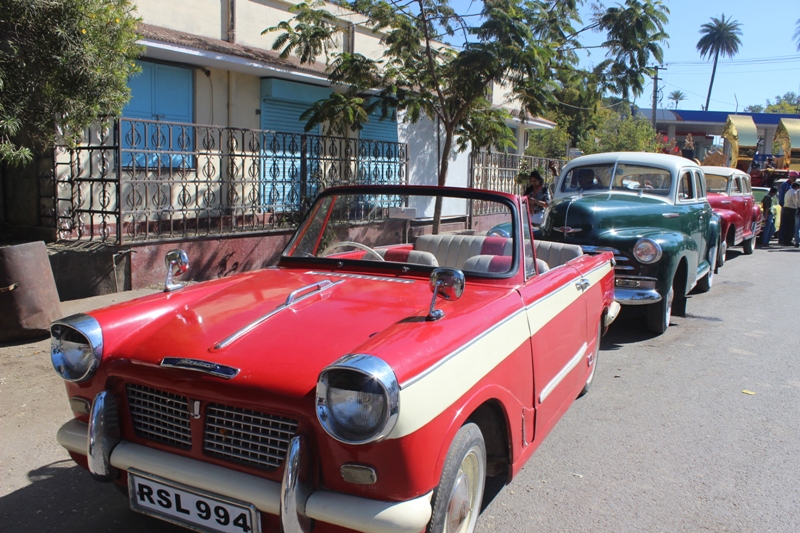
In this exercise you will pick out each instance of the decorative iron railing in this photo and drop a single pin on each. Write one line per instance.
(137, 180)
(498, 172)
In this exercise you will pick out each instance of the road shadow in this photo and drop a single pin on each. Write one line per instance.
(629, 327)
(63, 497)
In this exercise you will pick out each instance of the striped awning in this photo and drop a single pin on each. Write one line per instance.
(741, 132)
(789, 130)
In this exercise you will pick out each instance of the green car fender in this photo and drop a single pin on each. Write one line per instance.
(676, 247)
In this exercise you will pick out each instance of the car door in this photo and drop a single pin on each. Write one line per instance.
(692, 214)
(556, 311)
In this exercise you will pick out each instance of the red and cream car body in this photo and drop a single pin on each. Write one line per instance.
(369, 381)
(731, 196)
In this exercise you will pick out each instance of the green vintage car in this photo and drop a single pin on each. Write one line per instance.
(651, 211)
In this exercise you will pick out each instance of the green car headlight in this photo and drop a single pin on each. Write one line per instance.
(76, 346)
(357, 399)
(647, 251)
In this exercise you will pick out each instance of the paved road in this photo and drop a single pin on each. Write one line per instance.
(665, 441)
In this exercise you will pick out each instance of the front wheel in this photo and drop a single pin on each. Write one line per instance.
(660, 313)
(747, 245)
(457, 498)
(704, 284)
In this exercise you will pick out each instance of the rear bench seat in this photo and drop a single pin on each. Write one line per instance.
(490, 254)
(453, 250)
(556, 253)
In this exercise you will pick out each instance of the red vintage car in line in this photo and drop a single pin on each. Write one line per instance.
(370, 381)
(731, 197)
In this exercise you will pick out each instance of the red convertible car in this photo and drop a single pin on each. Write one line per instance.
(369, 381)
(731, 197)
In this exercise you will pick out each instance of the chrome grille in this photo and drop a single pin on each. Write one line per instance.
(247, 437)
(160, 416)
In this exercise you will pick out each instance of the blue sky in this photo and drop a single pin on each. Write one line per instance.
(767, 65)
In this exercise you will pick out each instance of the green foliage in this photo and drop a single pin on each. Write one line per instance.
(551, 144)
(63, 63)
(754, 109)
(528, 46)
(620, 131)
(788, 103)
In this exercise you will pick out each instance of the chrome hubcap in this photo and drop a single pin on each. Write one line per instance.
(670, 297)
(463, 503)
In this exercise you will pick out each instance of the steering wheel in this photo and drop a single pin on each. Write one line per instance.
(364, 247)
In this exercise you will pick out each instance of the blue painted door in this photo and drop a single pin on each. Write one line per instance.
(161, 93)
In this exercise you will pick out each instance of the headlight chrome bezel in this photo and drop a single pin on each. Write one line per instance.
(369, 367)
(655, 256)
(87, 327)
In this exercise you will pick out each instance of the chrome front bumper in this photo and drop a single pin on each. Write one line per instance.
(636, 296)
(294, 502)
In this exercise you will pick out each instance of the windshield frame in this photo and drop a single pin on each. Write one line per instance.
(389, 267)
(610, 188)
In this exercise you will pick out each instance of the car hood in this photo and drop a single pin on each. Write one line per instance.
(379, 315)
(589, 216)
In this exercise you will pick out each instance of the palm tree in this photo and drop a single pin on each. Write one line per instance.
(797, 34)
(677, 97)
(720, 36)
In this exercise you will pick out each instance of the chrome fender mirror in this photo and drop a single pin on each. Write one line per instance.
(177, 262)
(445, 283)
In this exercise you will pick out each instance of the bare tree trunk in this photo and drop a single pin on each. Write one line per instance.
(444, 164)
(711, 84)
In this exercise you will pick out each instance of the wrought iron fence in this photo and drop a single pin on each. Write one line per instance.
(498, 172)
(137, 180)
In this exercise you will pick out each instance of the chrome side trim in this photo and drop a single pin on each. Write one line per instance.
(361, 514)
(598, 249)
(102, 437)
(636, 296)
(563, 373)
(293, 298)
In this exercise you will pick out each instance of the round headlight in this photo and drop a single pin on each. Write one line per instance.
(76, 346)
(647, 251)
(357, 399)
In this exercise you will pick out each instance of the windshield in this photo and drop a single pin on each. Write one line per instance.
(622, 177)
(389, 230)
(716, 183)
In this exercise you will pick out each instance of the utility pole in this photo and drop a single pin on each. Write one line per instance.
(655, 93)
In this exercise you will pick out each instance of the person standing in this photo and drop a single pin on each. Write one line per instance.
(786, 186)
(538, 196)
(796, 191)
(791, 201)
(766, 208)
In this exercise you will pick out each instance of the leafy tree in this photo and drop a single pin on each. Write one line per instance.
(620, 131)
(528, 45)
(677, 97)
(549, 143)
(754, 109)
(63, 63)
(720, 37)
(788, 103)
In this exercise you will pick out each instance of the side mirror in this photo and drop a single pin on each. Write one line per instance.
(445, 283)
(177, 262)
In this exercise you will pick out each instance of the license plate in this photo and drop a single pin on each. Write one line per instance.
(186, 506)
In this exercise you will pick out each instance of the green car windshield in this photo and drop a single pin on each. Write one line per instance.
(619, 177)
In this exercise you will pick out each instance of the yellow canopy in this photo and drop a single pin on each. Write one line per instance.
(741, 132)
(788, 129)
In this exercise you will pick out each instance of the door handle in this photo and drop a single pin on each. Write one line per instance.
(583, 284)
